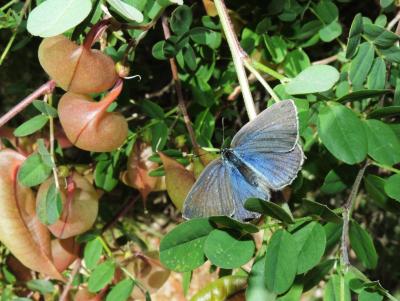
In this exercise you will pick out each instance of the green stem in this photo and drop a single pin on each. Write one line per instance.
(261, 80)
(237, 56)
(263, 68)
(392, 169)
(4, 7)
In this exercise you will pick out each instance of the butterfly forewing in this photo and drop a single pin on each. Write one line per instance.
(273, 130)
(211, 194)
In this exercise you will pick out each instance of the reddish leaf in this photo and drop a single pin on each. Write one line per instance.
(64, 252)
(20, 230)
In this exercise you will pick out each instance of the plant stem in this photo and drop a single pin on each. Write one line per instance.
(67, 288)
(178, 89)
(267, 70)
(347, 208)
(261, 80)
(51, 140)
(237, 55)
(4, 7)
(392, 169)
(44, 89)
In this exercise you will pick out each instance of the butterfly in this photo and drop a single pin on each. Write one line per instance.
(264, 155)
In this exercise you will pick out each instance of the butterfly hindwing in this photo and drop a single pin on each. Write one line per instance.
(273, 130)
(211, 194)
(276, 169)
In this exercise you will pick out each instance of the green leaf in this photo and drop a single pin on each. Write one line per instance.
(31, 126)
(54, 17)
(181, 249)
(380, 36)
(228, 250)
(361, 64)
(281, 262)
(33, 171)
(311, 241)
(385, 3)
(181, 19)
(126, 10)
(92, 252)
(391, 54)
(256, 289)
(277, 47)
(234, 224)
(362, 94)
(377, 76)
(333, 289)
(327, 11)
(385, 112)
(41, 285)
(383, 144)
(49, 208)
(322, 211)
(355, 32)
(44, 153)
(105, 176)
(205, 36)
(152, 109)
(392, 187)
(333, 183)
(333, 233)
(101, 276)
(331, 31)
(159, 135)
(121, 291)
(268, 208)
(190, 57)
(313, 277)
(375, 187)
(316, 78)
(295, 61)
(362, 244)
(158, 50)
(342, 132)
(294, 293)
(45, 108)
(369, 296)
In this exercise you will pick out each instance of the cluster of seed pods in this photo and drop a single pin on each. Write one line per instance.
(81, 71)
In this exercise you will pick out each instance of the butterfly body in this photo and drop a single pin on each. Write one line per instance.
(264, 155)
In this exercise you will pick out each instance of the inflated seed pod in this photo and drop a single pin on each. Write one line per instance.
(76, 68)
(87, 123)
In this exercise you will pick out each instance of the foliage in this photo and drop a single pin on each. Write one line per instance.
(94, 173)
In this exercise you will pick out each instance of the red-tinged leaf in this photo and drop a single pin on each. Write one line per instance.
(138, 170)
(65, 252)
(178, 180)
(84, 295)
(80, 206)
(20, 230)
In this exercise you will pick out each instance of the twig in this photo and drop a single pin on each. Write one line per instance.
(44, 89)
(394, 21)
(237, 55)
(14, 35)
(237, 90)
(326, 61)
(178, 88)
(261, 80)
(124, 210)
(68, 286)
(160, 92)
(347, 207)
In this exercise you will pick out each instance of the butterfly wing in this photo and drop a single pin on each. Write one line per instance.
(243, 190)
(211, 194)
(273, 130)
(276, 170)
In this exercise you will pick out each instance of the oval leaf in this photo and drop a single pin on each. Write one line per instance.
(362, 244)
(281, 262)
(53, 17)
(268, 208)
(33, 171)
(342, 132)
(228, 251)
(181, 249)
(127, 11)
(316, 78)
(121, 291)
(392, 187)
(101, 276)
(31, 126)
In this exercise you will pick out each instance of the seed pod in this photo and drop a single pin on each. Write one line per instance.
(87, 123)
(75, 68)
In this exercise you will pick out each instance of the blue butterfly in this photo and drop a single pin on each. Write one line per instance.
(264, 155)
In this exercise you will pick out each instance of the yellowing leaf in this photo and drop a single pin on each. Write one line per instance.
(178, 180)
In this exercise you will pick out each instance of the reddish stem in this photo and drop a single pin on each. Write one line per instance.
(95, 32)
(43, 89)
(71, 187)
